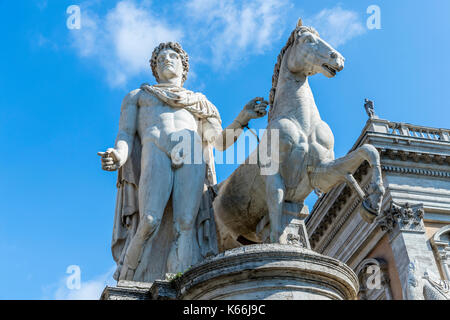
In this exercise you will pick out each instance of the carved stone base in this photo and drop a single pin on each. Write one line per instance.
(256, 272)
(128, 290)
(132, 290)
(293, 222)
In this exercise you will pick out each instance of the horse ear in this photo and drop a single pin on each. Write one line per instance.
(299, 23)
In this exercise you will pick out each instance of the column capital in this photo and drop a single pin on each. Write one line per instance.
(403, 218)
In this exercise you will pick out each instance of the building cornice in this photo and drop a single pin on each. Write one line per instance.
(404, 149)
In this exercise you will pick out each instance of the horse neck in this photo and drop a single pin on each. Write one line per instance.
(294, 98)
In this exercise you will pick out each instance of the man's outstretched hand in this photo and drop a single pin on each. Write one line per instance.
(110, 159)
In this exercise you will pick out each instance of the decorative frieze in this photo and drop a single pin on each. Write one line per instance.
(356, 203)
(338, 204)
(402, 155)
(417, 171)
(405, 218)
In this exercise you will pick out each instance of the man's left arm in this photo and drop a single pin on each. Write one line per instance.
(223, 139)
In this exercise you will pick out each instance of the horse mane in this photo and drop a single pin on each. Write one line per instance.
(276, 70)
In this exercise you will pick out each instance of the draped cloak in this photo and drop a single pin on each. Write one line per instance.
(126, 218)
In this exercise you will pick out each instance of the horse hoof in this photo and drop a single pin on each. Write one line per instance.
(367, 213)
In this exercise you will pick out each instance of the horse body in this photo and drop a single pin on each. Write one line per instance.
(305, 157)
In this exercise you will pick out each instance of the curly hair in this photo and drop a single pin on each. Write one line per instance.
(175, 46)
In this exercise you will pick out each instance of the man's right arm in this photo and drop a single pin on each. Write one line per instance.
(116, 157)
(127, 126)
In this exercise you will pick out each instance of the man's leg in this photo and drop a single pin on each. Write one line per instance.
(155, 187)
(187, 192)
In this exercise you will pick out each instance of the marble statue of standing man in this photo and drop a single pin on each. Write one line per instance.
(153, 172)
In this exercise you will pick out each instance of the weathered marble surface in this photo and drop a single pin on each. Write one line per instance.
(128, 290)
(269, 271)
(294, 233)
(422, 286)
(256, 272)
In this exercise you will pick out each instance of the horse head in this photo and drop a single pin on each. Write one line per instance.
(309, 54)
(305, 54)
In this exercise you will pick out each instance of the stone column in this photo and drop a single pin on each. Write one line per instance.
(404, 224)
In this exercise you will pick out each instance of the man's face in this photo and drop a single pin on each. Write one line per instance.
(169, 65)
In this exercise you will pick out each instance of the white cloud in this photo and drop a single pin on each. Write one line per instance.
(234, 29)
(122, 41)
(336, 25)
(215, 32)
(218, 33)
(90, 290)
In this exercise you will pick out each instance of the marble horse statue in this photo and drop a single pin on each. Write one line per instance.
(305, 158)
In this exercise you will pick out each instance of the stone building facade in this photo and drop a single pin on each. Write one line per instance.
(405, 253)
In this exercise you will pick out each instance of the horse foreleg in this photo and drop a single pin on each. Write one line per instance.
(327, 175)
(275, 192)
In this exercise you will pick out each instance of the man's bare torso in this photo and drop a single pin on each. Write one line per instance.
(157, 121)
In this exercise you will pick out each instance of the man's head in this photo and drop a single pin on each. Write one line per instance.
(169, 60)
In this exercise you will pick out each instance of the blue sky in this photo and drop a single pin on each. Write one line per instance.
(61, 89)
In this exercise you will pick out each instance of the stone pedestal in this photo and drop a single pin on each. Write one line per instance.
(257, 272)
(128, 290)
(293, 222)
(133, 290)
